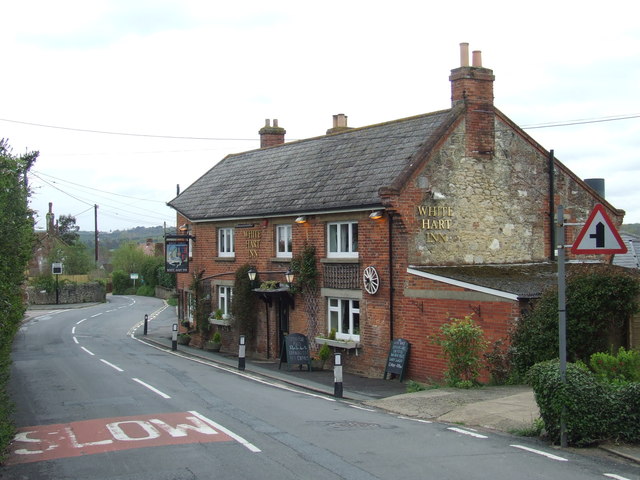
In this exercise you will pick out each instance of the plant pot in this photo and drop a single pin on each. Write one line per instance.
(317, 364)
(212, 346)
(182, 340)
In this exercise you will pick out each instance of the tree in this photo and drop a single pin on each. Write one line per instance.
(128, 258)
(16, 243)
(75, 258)
(67, 229)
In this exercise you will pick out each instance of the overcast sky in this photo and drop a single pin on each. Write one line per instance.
(78, 74)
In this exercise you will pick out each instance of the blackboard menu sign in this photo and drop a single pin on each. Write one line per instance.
(397, 360)
(295, 351)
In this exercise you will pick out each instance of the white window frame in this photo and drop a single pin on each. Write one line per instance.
(339, 252)
(287, 231)
(226, 247)
(352, 307)
(225, 294)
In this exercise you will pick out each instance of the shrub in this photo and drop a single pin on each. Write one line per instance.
(498, 364)
(121, 282)
(594, 410)
(599, 298)
(324, 353)
(146, 291)
(621, 368)
(462, 343)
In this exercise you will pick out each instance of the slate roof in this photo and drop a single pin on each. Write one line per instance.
(524, 281)
(629, 259)
(342, 171)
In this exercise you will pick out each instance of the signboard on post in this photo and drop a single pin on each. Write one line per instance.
(598, 236)
(176, 256)
(56, 268)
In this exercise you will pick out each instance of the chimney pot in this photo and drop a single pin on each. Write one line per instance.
(464, 54)
(339, 124)
(477, 58)
(270, 136)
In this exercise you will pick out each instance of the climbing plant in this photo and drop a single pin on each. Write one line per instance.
(305, 267)
(243, 304)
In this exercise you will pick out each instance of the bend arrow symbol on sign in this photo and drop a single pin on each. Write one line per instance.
(598, 236)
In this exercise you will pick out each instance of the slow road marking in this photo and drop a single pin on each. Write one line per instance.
(88, 437)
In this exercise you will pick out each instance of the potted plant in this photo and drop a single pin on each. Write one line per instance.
(184, 338)
(219, 318)
(317, 363)
(215, 343)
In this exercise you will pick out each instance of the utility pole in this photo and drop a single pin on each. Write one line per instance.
(95, 218)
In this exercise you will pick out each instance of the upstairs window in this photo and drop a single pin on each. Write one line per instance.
(283, 241)
(342, 239)
(225, 242)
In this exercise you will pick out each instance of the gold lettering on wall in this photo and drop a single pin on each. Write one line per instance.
(438, 218)
(253, 241)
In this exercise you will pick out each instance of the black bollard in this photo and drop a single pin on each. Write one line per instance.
(174, 337)
(337, 375)
(241, 353)
(146, 322)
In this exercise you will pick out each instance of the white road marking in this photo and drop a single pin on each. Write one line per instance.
(153, 389)
(613, 475)
(362, 408)
(415, 419)
(75, 340)
(88, 351)
(540, 452)
(250, 446)
(115, 367)
(78, 323)
(97, 315)
(466, 432)
(73, 331)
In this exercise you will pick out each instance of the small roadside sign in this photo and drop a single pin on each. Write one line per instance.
(133, 276)
(56, 268)
(598, 236)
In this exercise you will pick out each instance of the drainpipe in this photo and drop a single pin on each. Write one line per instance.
(390, 277)
(552, 207)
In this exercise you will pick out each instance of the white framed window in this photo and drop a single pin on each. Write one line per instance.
(283, 241)
(224, 299)
(225, 242)
(342, 239)
(344, 317)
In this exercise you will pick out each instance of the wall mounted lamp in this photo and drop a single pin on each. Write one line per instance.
(252, 272)
(376, 214)
(301, 219)
(290, 276)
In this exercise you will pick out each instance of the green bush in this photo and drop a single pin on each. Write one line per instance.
(463, 344)
(173, 301)
(621, 368)
(121, 282)
(599, 298)
(146, 291)
(594, 410)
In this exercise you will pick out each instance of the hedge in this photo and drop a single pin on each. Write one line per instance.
(595, 411)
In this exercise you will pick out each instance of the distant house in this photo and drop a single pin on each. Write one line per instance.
(45, 243)
(629, 259)
(414, 221)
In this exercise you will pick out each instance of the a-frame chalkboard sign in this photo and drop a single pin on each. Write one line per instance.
(295, 351)
(397, 360)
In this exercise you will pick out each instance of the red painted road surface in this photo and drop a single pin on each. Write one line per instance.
(47, 442)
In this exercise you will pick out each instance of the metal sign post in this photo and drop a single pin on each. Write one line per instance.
(562, 317)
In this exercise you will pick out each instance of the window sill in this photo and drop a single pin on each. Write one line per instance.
(340, 260)
(346, 344)
(225, 259)
(223, 322)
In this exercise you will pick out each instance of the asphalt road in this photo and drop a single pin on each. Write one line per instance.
(95, 403)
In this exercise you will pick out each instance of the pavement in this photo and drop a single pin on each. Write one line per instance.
(509, 409)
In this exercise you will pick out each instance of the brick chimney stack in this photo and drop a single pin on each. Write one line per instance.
(473, 87)
(270, 136)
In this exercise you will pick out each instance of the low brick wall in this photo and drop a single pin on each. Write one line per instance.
(69, 293)
(165, 293)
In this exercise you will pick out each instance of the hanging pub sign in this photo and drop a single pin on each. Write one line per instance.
(176, 256)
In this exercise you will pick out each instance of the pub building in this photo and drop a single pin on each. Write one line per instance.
(414, 222)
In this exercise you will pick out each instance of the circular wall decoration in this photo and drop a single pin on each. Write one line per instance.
(371, 280)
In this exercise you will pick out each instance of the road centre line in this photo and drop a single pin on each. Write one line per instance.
(250, 446)
(540, 452)
(153, 389)
(97, 315)
(467, 432)
(88, 351)
(78, 323)
(115, 367)
(75, 340)
(73, 331)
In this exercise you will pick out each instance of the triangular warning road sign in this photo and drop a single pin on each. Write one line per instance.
(598, 235)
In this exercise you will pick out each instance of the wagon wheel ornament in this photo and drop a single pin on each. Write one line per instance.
(371, 280)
